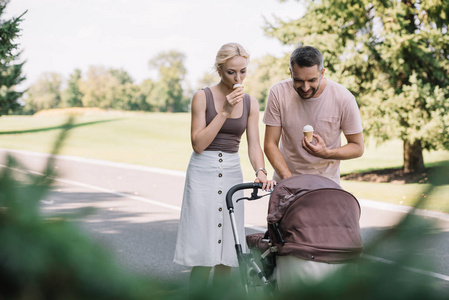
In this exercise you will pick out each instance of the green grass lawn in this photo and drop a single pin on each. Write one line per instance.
(163, 140)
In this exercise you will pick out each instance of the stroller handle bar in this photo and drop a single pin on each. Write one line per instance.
(242, 186)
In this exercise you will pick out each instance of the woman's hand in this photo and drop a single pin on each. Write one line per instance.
(232, 100)
(266, 183)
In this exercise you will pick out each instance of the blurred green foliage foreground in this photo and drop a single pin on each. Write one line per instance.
(49, 258)
(43, 257)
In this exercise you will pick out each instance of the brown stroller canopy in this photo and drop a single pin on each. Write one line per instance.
(290, 189)
(317, 219)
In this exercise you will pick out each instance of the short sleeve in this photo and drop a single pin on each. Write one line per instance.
(272, 116)
(351, 122)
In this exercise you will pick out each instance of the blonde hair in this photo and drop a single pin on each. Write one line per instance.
(228, 51)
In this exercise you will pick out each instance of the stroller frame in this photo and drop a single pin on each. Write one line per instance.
(248, 267)
(309, 217)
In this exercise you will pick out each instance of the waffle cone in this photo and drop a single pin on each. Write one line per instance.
(309, 135)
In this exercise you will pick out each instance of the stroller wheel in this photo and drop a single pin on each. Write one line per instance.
(254, 283)
(253, 277)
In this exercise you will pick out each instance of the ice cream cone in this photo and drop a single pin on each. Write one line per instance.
(308, 132)
(309, 135)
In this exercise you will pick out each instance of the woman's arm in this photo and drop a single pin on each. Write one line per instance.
(254, 149)
(201, 135)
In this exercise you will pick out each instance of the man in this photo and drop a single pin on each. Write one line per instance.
(308, 98)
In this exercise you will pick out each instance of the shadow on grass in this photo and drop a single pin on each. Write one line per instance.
(62, 126)
(397, 175)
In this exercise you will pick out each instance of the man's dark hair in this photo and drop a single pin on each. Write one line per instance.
(307, 57)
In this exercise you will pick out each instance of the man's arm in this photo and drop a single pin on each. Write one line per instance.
(353, 149)
(274, 155)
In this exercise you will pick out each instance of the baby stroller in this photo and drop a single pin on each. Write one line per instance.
(309, 216)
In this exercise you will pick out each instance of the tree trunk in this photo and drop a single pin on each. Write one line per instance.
(413, 158)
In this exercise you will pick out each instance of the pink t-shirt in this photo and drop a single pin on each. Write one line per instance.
(334, 111)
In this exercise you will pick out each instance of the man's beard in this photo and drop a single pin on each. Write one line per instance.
(314, 91)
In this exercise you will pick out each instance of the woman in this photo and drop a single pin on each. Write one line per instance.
(220, 115)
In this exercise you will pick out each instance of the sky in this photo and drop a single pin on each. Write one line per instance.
(63, 35)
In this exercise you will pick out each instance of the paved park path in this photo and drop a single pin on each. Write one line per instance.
(137, 214)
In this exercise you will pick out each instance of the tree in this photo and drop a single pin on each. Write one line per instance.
(171, 75)
(263, 73)
(45, 93)
(72, 95)
(10, 72)
(122, 76)
(148, 92)
(208, 79)
(108, 88)
(96, 86)
(134, 98)
(394, 56)
(119, 88)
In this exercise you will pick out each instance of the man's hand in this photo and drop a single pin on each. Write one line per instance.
(318, 150)
(353, 149)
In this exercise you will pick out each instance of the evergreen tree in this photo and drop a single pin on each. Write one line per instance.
(394, 56)
(10, 71)
(72, 95)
